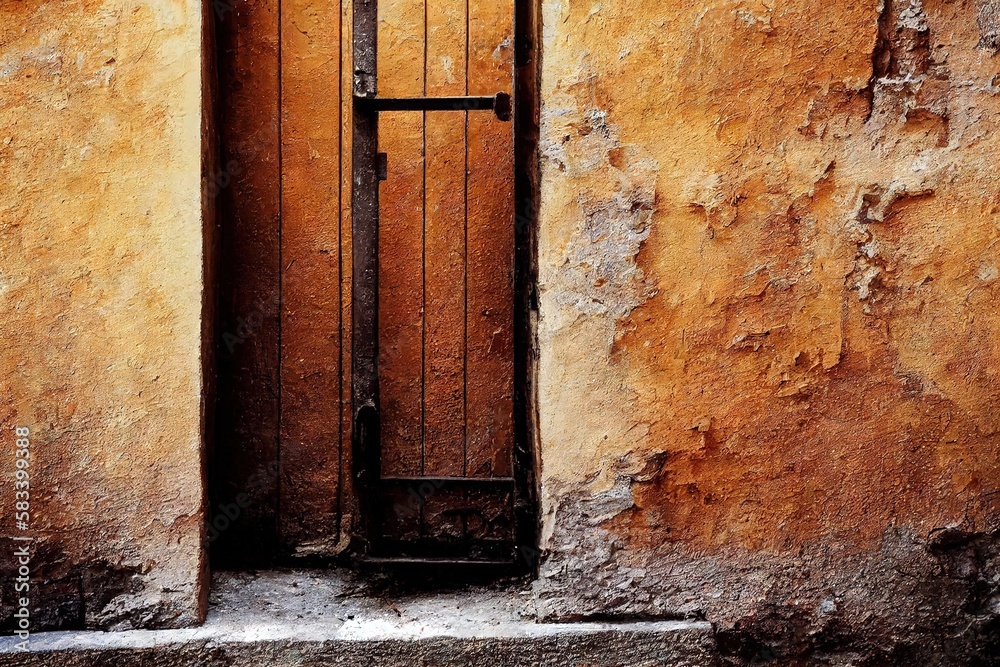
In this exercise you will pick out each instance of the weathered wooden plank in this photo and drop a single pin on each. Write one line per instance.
(444, 237)
(401, 54)
(444, 515)
(490, 244)
(349, 502)
(490, 517)
(311, 309)
(247, 416)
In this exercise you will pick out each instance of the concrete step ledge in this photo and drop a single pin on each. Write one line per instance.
(280, 619)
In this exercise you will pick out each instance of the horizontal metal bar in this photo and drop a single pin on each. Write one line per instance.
(429, 103)
(500, 104)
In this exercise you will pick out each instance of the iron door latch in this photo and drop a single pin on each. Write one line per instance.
(499, 104)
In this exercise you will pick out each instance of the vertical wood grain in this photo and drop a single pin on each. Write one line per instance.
(245, 460)
(349, 504)
(311, 308)
(490, 242)
(401, 136)
(444, 238)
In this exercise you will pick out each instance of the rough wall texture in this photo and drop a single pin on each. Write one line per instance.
(101, 252)
(768, 336)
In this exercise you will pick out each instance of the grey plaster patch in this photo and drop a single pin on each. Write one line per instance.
(989, 25)
(601, 275)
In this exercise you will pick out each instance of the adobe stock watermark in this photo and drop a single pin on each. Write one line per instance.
(221, 179)
(22, 540)
(228, 513)
(222, 7)
(248, 324)
(418, 497)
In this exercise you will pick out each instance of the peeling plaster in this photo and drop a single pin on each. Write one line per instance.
(102, 240)
(799, 332)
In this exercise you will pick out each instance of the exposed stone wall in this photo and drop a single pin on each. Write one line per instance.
(101, 255)
(768, 321)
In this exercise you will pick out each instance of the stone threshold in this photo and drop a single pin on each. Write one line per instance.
(314, 618)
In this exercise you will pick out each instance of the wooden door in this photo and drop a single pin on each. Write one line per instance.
(439, 351)
(442, 356)
(278, 471)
